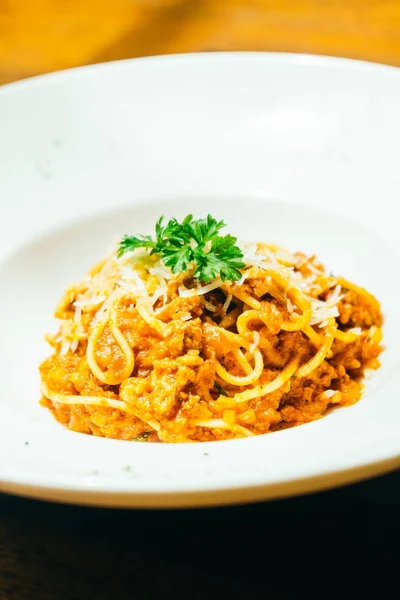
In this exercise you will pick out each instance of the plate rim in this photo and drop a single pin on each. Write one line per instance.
(200, 498)
(124, 497)
(295, 58)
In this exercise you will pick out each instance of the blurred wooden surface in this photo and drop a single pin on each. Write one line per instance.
(38, 36)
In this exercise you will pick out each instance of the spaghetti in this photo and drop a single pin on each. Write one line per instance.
(143, 353)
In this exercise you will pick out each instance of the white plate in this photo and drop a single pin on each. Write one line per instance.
(294, 149)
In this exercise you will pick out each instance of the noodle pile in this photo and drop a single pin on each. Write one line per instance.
(145, 354)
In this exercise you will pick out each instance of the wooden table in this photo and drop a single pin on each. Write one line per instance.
(37, 36)
(338, 544)
(277, 550)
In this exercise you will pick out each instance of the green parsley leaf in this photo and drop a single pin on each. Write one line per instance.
(177, 257)
(220, 389)
(130, 243)
(223, 260)
(180, 245)
(204, 230)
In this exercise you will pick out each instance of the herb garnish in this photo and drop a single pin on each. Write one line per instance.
(220, 389)
(192, 244)
(142, 437)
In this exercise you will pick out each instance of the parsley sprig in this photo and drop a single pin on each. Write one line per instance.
(192, 244)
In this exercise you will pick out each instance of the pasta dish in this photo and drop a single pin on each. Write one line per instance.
(191, 335)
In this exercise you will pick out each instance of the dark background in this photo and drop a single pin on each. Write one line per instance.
(341, 543)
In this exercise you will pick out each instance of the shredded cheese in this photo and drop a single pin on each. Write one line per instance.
(131, 273)
(227, 304)
(208, 305)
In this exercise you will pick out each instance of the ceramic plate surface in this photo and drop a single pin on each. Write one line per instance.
(298, 150)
